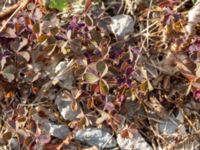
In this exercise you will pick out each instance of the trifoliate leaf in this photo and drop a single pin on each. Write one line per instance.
(8, 73)
(102, 68)
(103, 86)
(60, 5)
(90, 78)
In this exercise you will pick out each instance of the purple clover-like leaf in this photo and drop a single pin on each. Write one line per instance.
(134, 50)
(129, 72)
(196, 95)
(74, 24)
(194, 48)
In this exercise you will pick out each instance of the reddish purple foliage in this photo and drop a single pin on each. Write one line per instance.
(196, 95)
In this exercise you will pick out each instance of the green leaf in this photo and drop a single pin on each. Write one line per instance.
(9, 69)
(194, 1)
(8, 73)
(10, 77)
(60, 5)
(103, 86)
(102, 68)
(90, 78)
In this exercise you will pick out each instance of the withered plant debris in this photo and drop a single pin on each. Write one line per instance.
(98, 74)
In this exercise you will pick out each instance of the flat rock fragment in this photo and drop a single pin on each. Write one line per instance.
(96, 137)
(122, 25)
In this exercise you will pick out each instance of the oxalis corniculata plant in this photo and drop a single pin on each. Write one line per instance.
(51, 49)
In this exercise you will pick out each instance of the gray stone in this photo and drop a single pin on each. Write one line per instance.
(67, 80)
(60, 66)
(64, 107)
(167, 127)
(96, 137)
(137, 142)
(13, 144)
(64, 77)
(122, 25)
(131, 109)
(59, 131)
(173, 126)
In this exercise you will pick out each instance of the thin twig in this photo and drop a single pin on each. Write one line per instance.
(108, 141)
(148, 16)
(22, 4)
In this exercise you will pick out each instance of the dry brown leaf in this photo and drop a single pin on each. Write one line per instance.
(126, 134)
(74, 106)
(193, 17)
(155, 105)
(90, 103)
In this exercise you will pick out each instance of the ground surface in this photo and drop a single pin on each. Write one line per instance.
(99, 75)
